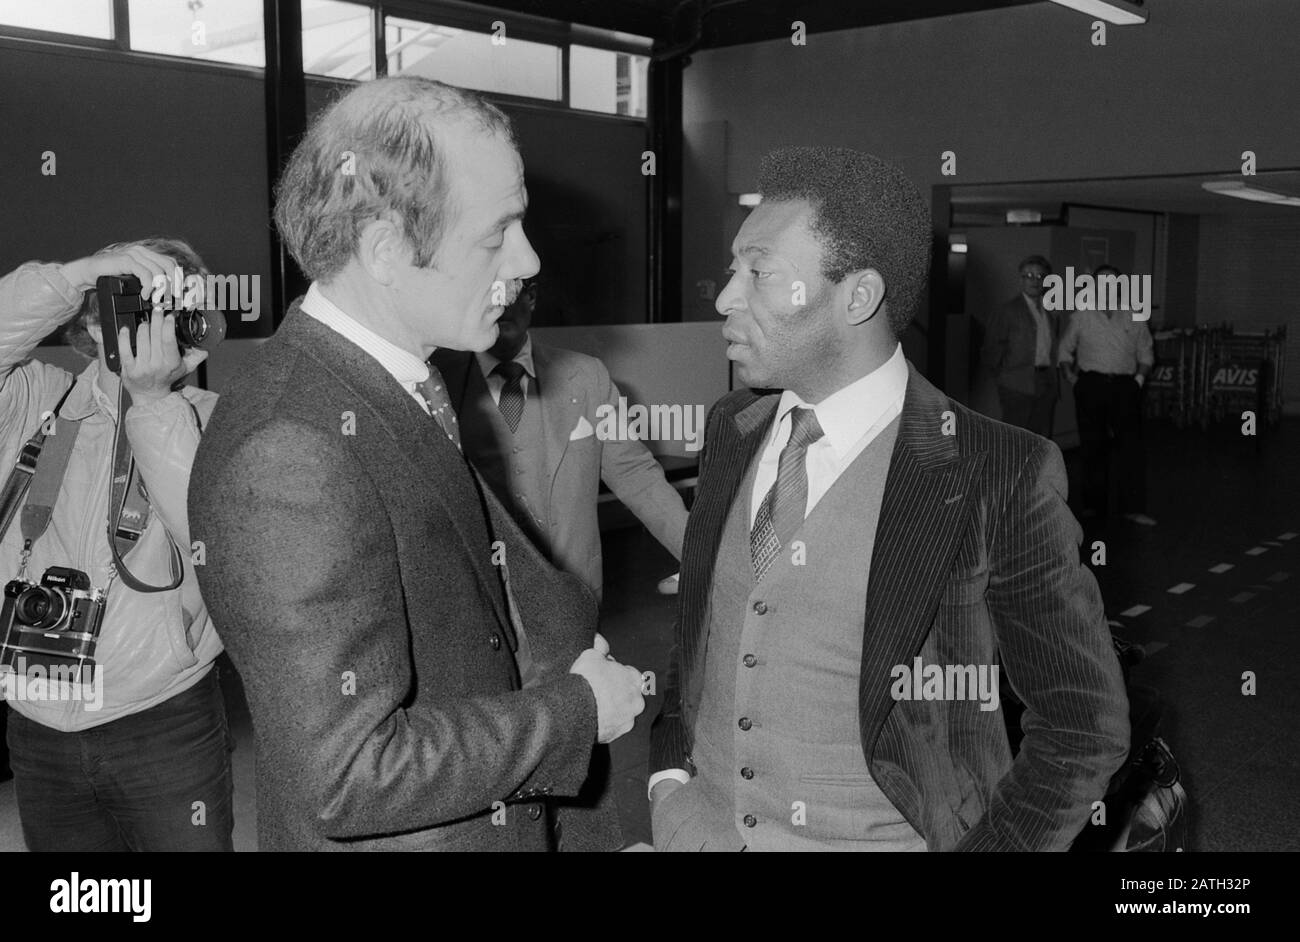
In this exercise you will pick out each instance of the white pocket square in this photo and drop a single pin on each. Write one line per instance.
(582, 430)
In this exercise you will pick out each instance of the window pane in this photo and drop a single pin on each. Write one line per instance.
(216, 30)
(461, 57)
(337, 40)
(77, 17)
(612, 82)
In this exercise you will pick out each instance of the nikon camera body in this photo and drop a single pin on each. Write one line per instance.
(54, 623)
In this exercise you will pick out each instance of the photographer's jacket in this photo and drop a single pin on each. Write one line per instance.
(151, 646)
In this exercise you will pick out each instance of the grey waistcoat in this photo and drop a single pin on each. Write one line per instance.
(783, 658)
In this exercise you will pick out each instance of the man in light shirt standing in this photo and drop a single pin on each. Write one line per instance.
(1018, 349)
(1107, 356)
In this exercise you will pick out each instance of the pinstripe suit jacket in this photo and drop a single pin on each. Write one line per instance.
(975, 562)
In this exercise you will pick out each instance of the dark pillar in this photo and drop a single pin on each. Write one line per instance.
(286, 121)
(936, 358)
(664, 274)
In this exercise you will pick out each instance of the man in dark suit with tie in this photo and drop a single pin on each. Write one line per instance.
(864, 556)
(1020, 344)
(419, 677)
(529, 418)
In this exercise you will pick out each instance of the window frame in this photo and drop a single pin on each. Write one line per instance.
(470, 17)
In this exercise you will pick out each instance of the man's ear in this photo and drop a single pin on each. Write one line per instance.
(382, 249)
(867, 297)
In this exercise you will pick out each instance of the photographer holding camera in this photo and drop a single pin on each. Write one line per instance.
(144, 764)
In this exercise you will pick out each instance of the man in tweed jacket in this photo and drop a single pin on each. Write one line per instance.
(419, 677)
(864, 558)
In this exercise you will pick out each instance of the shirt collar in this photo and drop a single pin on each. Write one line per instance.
(87, 398)
(849, 413)
(402, 365)
(487, 362)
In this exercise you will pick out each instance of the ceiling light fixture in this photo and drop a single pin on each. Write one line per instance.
(1119, 12)
(1245, 191)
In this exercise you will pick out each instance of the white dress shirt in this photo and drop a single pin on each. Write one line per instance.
(1043, 335)
(851, 418)
(1107, 342)
(495, 382)
(405, 367)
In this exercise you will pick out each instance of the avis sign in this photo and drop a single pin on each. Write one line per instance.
(1232, 377)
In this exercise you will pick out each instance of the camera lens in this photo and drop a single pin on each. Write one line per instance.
(202, 329)
(190, 328)
(39, 607)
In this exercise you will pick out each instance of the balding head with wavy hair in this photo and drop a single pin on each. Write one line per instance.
(376, 153)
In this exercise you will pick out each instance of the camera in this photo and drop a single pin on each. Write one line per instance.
(122, 303)
(54, 623)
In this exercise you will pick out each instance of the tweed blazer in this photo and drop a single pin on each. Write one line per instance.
(354, 569)
(975, 562)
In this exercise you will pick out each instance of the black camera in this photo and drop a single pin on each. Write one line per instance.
(54, 623)
(122, 303)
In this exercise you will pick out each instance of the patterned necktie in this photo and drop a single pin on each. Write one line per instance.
(434, 391)
(511, 403)
(783, 509)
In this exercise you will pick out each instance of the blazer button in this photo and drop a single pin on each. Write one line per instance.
(535, 811)
(760, 608)
(749, 660)
(744, 723)
(746, 773)
(751, 821)
(495, 641)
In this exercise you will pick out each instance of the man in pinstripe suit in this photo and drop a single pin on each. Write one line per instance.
(860, 550)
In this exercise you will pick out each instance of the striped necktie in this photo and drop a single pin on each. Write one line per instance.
(783, 509)
(511, 403)
(434, 391)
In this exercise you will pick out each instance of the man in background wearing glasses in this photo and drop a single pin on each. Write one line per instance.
(1019, 350)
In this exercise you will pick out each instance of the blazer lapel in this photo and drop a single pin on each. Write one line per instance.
(457, 369)
(434, 458)
(555, 388)
(927, 496)
(733, 443)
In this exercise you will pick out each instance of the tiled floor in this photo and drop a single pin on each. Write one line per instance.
(1217, 501)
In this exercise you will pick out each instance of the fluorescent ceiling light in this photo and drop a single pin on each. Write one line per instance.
(1119, 12)
(750, 199)
(1244, 191)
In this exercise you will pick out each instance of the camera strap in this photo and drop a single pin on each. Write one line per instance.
(46, 487)
(128, 508)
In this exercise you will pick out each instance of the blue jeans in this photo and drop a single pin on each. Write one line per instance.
(130, 784)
